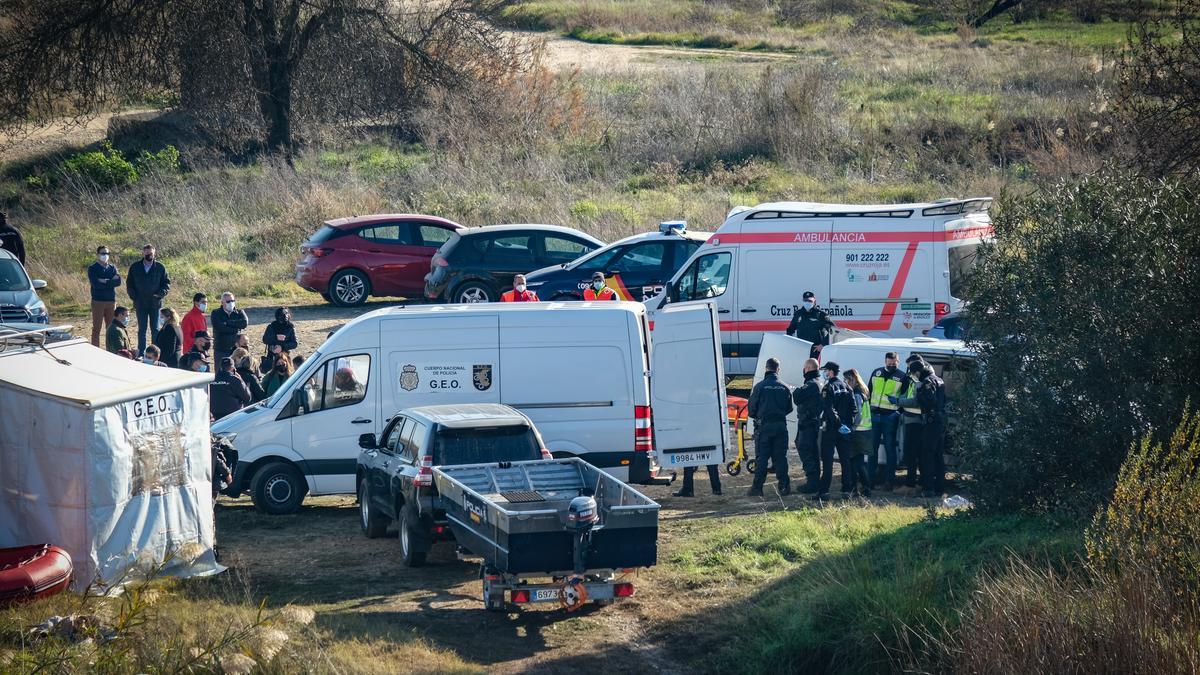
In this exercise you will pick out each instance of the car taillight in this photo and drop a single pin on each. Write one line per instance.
(520, 597)
(940, 309)
(643, 429)
(440, 261)
(316, 252)
(624, 590)
(546, 454)
(425, 473)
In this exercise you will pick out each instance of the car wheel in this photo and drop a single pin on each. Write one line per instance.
(374, 524)
(278, 489)
(410, 540)
(474, 292)
(349, 288)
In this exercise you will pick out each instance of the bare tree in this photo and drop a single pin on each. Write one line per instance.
(1159, 94)
(247, 70)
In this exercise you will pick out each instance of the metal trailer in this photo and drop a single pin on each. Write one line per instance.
(563, 519)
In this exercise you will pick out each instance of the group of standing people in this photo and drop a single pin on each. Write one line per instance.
(165, 339)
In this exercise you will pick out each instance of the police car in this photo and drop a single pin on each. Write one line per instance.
(635, 267)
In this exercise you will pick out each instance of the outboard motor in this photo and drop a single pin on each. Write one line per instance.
(582, 516)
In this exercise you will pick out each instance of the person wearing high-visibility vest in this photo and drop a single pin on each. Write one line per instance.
(853, 471)
(598, 290)
(911, 423)
(885, 381)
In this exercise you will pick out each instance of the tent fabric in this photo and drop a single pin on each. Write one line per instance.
(91, 377)
(121, 486)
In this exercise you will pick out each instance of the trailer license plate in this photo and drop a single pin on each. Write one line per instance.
(545, 594)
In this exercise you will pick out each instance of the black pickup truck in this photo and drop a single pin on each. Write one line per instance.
(395, 472)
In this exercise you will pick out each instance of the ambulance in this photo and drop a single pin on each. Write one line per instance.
(882, 270)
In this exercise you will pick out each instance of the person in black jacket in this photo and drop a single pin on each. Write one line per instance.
(147, 284)
(770, 404)
(840, 410)
(11, 240)
(281, 332)
(931, 398)
(227, 393)
(227, 321)
(811, 324)
(241, 363)
(809, 407)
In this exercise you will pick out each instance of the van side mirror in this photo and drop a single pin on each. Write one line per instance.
(367, 442)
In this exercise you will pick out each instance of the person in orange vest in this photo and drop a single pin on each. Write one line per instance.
(598, 291)
(518, 293)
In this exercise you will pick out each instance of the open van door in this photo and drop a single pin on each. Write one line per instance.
(792, 353)
(687, 387)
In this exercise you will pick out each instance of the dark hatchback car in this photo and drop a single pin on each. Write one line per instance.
(950, 327)
(635, 267)
(351, 259)
(479, 263)
(395, 471)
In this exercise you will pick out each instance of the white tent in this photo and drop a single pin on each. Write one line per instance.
(106, 457)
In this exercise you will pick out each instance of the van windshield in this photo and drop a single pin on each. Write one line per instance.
(962, 263)
(485, 445)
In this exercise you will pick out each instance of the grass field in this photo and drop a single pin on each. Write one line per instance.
(765, 587)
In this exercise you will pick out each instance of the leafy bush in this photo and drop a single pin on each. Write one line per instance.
(1085, 312)
(165, 162)
(1153, 521)
(107, 167)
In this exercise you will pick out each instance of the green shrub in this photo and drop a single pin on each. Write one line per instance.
(1085, 312)
(107, 167)
(165, 162)
(1153, 521)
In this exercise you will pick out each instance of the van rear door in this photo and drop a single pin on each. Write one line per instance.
(687, 387)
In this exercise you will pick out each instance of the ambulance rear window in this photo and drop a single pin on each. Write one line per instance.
(962, 262)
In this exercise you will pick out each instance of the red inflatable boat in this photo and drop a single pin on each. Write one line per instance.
(32, 572)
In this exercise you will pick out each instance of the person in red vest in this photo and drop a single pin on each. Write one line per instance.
(519, 293)
(598, 291)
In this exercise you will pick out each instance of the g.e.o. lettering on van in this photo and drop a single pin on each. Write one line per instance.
(436, 377)
(153, 412)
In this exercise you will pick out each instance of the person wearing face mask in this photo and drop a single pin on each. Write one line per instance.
(281, 332)
(811, 324)
(227, 393)
(770, 404)
(197, 362)
(279, 373)
(150, 358)
(885, 419)
(841, 408)
(194, 321)
(929, 395)
(227, 322)
(201, 343)
(519, 293)
(116, 339)
(241, 363)
(169, 339)
(147, 284)
(911, 423)
(809, 407)
(104, 279)
(597, 290)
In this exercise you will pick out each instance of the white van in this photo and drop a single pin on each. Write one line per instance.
(889, 270)
(587, 374)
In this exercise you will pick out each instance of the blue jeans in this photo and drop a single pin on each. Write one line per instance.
(883, 425)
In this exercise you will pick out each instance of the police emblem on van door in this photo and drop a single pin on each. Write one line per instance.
(409, 378)
(482, 376)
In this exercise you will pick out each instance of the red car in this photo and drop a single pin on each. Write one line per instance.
(350, 259)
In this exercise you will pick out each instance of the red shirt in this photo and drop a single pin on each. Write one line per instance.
(514, 296)
(605, 293)
(192, 321)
